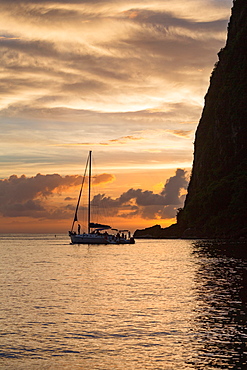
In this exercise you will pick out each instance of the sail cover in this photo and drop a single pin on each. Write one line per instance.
(94, 225)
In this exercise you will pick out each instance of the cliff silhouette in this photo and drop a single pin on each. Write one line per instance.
(215, 205)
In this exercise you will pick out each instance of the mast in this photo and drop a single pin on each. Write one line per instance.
(79, 198)
(89, 189)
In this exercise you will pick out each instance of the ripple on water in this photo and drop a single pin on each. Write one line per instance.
(155, 305)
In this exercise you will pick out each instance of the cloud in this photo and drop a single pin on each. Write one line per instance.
(26, 196)
(99, 73)
(174, 184)
(181, 133)
(25, 209)
(23, 188)
(118, 141)
(69, 47)
(125, 139)
(69, 198)
(146, 203)
(31, 197)
(103, 178)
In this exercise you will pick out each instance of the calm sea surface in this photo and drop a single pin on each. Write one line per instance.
(158, 304)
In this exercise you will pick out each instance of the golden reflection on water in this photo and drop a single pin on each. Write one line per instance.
(143, 306)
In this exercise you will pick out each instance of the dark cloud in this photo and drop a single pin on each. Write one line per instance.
(163, 21)
(146, 203)
(28, 208)
(28, 197)
(181, 133)
(24, 188)
(103, 178)
(142, 197)
(69, 198)
(18, 47)
(174, 184)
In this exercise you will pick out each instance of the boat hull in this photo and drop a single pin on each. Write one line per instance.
(98, 239)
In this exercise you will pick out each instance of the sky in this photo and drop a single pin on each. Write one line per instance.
(125, 79)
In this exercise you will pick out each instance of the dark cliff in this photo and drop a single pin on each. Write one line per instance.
(215, 205)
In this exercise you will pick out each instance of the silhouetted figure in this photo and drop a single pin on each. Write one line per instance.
(79, 228)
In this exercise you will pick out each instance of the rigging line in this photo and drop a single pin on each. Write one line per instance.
(79, 198)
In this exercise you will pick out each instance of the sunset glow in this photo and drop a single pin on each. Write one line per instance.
(124, 79)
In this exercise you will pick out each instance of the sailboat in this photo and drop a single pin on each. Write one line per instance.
(96, 233)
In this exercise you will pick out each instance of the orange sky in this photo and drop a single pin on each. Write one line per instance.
(125, 79)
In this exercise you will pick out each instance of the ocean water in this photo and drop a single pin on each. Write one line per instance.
(158, 304)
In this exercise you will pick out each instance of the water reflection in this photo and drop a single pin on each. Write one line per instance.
(158, 305)
(220, 333)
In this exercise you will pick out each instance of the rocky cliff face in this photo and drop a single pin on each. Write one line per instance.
(217, 193)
